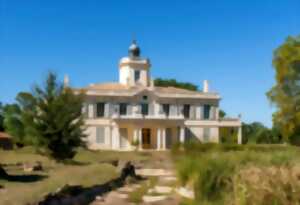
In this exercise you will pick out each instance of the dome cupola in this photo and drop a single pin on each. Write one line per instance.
(134, 50)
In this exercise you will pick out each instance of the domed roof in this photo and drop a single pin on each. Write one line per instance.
(134, 50)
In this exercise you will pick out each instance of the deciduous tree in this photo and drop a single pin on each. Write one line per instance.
(285, 94)
(174, 83)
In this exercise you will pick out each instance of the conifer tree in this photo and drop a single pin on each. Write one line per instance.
(51, 119)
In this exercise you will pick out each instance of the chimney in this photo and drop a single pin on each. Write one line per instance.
(66, 81)
(152, 84)
(205, 86)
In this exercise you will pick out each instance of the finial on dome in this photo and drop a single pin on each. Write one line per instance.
(134, 50)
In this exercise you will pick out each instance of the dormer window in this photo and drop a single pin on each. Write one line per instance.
(137, 75)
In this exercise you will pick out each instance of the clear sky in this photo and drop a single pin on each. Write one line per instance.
(230, 43)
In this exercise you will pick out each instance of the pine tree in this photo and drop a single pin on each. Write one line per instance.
(51, 119)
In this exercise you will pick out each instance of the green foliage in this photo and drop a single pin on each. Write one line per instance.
(13, 123)
(174, 83)
(1, 117)
(257, 133)
(222, 113)
(228, 135)
(50, 117)
(285, 93)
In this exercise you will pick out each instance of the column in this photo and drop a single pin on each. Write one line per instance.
(240, 135)
(163, 138)
(115, 137)
(135, 135)
(140, 138)
(158, 135)
(181, 135)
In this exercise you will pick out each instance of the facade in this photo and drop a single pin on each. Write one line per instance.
(135, 114)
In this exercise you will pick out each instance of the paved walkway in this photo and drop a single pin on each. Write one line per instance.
(161, 193)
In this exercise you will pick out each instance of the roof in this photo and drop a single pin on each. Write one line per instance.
(4, 135)
(113, 89)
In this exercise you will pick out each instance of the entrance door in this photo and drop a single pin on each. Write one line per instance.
(146, 138)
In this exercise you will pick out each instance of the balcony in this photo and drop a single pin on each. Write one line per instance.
(153, 117)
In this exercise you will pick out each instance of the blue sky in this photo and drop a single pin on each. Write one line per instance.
(230, 43)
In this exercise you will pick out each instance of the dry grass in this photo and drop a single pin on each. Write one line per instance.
(87, 170)
(241, 175)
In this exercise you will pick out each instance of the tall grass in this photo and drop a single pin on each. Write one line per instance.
(227, 174)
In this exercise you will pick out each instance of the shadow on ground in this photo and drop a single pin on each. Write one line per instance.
(25, 178)
(70, 195)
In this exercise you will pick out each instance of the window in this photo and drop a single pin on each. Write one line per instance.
(137, 75)
(186, 111)
(188, 135)
(206, 134)
(145, 97)
(145, 108)
(206, 112)
(123, 108)
(166, 109)
(100, 109)
(100, 136)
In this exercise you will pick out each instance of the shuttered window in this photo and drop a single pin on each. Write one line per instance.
(100, 135)
(186, 111)
(206, 112)
(206, 134)
(166, 109)
(100, 109)
(145, 108)
(123, 108)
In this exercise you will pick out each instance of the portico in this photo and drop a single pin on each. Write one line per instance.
(147, 135)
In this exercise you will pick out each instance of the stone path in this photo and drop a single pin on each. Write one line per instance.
(163, 192)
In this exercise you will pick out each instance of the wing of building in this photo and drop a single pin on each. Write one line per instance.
(135, 114)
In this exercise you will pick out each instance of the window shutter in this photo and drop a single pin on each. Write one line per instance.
(173, 110)
(151, 109)
(212, 113)
(192, 112)
(129, 109)
(106, 110)
(111, 109)
(91, 111)
(100, 135)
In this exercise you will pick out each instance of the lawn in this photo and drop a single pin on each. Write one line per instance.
(240, 174)
(89, 169)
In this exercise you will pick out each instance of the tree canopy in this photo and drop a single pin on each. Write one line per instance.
(285, 94)
(49, 118)
(174, 83)
(1, 117)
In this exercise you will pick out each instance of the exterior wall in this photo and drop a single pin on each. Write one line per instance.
(198, 133)
(91, 138)
(156, 119)
(127, 68)
(124, 75)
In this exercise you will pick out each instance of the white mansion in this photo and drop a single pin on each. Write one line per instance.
(134, 113)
